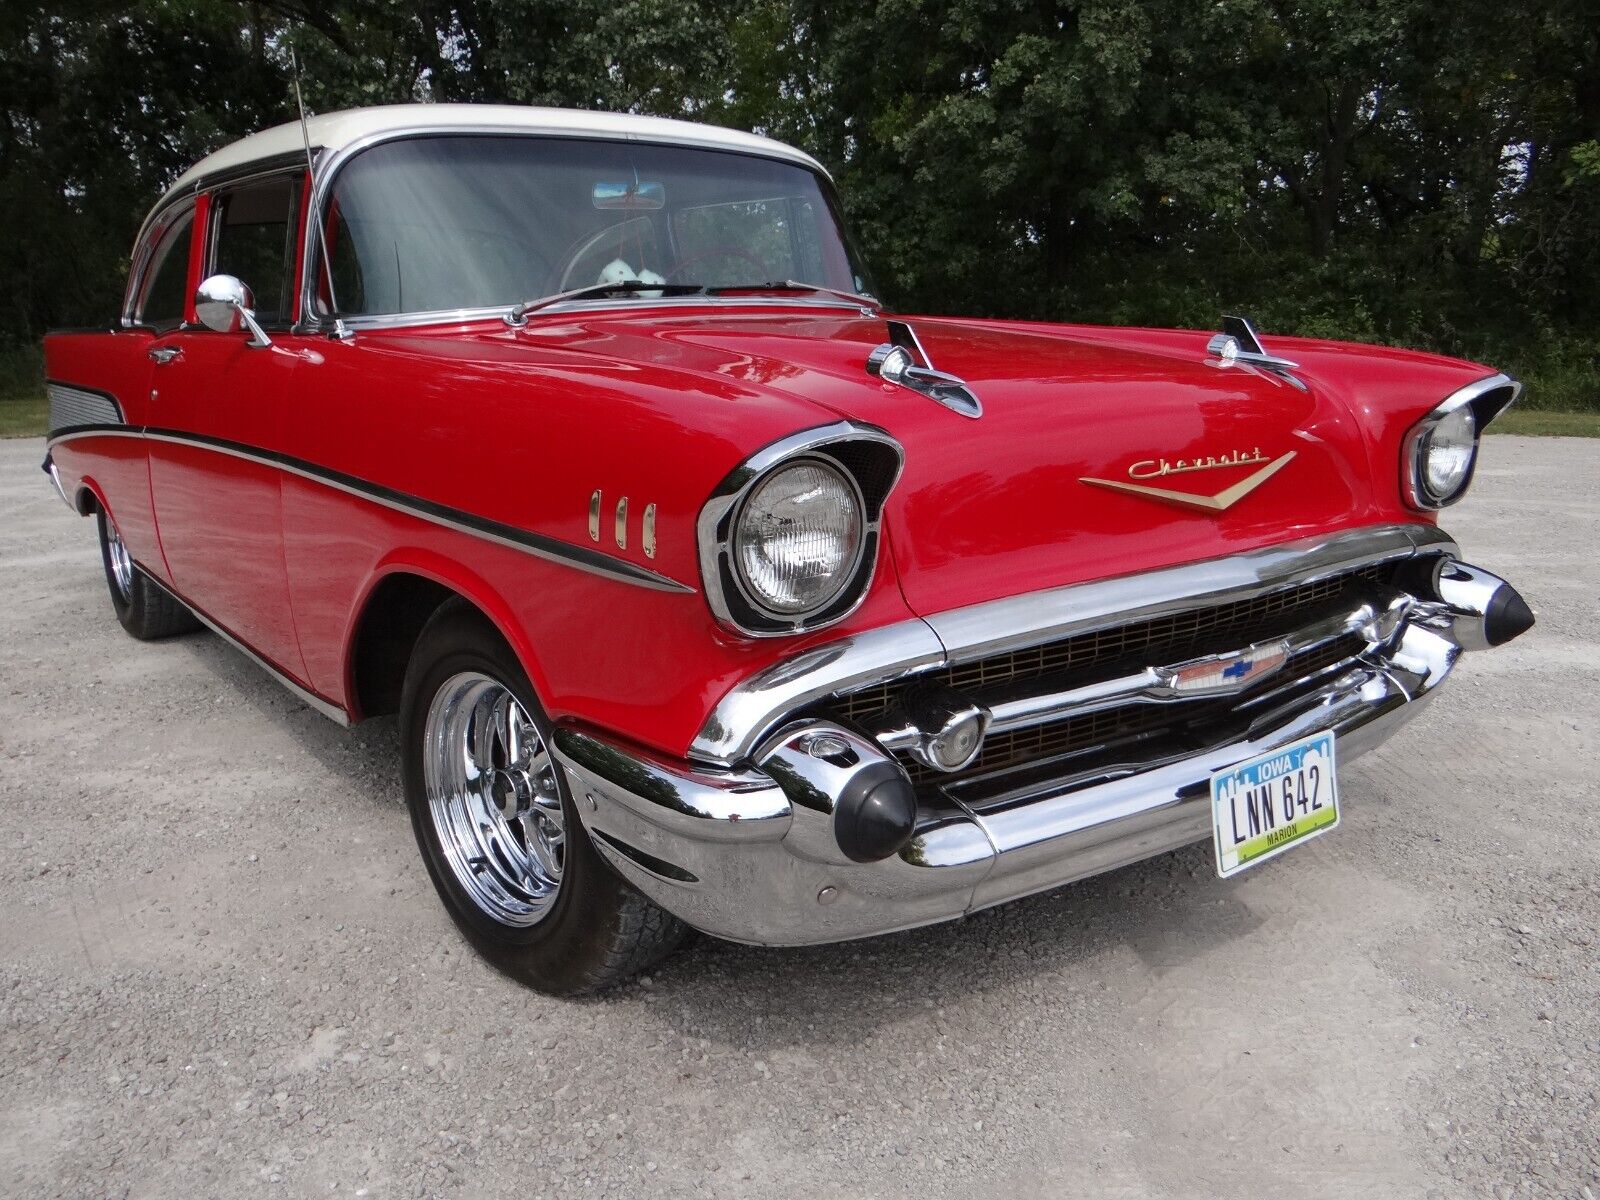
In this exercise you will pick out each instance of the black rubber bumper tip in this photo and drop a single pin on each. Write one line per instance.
(877, 814)
(1509, 616)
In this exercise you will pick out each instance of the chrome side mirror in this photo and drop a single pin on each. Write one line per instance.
(225, 304)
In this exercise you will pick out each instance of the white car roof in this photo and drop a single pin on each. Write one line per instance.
(337, 130)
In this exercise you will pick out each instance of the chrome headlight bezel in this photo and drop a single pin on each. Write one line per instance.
(866, 458)
(839, 578)
(1480, 403)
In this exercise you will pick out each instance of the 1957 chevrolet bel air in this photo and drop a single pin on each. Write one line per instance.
(706, 593)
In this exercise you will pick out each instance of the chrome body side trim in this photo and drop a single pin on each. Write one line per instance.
(1488, 398)
(89, 431)
(767, 871)
(326, 707)
(753, 708)
(551, 549)
(581, 558)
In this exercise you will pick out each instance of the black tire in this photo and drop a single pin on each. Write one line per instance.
(599, 930)
(144, 608)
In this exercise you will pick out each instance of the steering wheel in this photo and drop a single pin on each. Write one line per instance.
(723, 251)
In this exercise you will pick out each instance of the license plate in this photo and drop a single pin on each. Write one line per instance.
(1271, 803)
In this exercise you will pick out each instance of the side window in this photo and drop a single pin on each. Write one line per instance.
(252, 238)
(164, 298)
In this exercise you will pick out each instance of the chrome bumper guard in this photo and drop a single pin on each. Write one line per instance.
(49, 467)
(751, 854)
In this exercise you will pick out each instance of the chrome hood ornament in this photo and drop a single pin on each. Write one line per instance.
(902, 360)
(1238, 346)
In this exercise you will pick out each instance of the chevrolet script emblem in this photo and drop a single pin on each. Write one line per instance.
(1151, 468)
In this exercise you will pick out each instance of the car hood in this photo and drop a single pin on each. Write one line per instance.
(1004, 504)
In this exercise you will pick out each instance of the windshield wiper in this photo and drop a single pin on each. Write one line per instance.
(519, 314)
(794, 285)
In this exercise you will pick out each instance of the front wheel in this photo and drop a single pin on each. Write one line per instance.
(496, 825)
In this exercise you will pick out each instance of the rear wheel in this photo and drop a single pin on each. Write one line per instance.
(497, 828)
(143, 608)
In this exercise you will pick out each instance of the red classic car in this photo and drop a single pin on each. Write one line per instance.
(706, 593)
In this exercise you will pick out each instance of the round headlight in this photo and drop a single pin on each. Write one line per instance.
(797, 537)
(1445, 454)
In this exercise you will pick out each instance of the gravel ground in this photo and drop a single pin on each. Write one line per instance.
(226, 974)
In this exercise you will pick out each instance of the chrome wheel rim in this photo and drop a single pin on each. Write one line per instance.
(493, 800)
(121, 563)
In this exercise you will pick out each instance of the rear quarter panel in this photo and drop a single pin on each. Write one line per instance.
(115, 469)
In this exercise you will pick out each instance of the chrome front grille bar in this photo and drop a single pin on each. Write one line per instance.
(759, 705)
(1376, 619)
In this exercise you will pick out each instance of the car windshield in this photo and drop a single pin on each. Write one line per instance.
(467, 222)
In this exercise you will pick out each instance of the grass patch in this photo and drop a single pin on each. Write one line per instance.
(24, 416)
(24, 411)
(1534, 422)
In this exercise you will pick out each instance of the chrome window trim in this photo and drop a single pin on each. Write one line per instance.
(1412, 486)
(149, 239)
(326, 170)
(756, 706)
(276, 165)
(464, 316)
(731, 493)
(294, 173)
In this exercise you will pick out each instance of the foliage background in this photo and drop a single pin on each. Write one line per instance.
(1403, 171)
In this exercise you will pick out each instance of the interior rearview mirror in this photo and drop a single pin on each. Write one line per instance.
(225, 304)
(630, 197)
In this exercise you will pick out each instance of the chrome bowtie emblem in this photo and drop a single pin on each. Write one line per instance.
(1217, 501)
(1220, 674)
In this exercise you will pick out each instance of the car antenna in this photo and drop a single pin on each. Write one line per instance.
(339, 331)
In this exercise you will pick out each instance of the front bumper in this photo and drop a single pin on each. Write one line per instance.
(751, 853)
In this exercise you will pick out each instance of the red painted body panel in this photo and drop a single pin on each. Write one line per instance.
(116, 470)
(522, 429)
(659, 405)
(220, 517)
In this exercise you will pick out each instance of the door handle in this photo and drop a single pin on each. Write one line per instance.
(164, 354)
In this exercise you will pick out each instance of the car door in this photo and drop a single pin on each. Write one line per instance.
(216, 404)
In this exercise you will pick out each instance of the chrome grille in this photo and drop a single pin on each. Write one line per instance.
(1107, 728)
(1162, 639)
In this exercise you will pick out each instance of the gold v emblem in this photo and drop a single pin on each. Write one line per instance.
(1224, 499)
